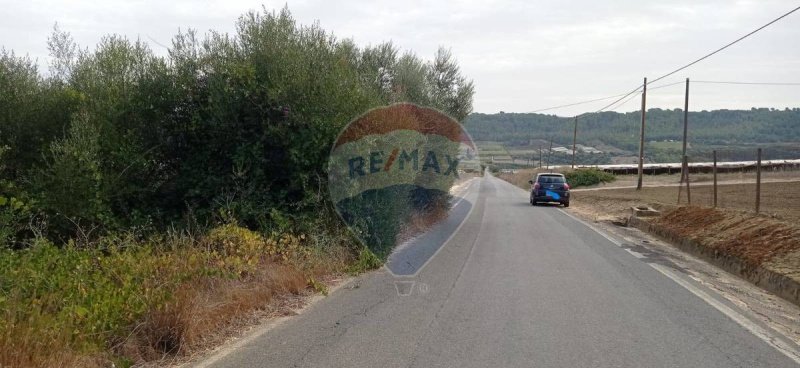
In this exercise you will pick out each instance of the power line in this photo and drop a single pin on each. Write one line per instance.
(579, 103)
(623, 96)
(666, 85)
(748, 83)
(637, 89)
(623, 103)
(650, 89)
(726, 46)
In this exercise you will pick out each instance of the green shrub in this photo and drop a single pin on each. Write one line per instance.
(79, 296)
(586, 177)
(366, 261)
(84, 300)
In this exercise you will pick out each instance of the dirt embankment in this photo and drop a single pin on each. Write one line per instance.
(761, 249)
(756, 240)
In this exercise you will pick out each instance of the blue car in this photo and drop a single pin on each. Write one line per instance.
(549, 187)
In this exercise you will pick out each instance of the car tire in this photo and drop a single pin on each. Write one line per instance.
(533, 202)
(566, 204)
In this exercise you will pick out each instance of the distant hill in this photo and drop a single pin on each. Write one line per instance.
(730, 130)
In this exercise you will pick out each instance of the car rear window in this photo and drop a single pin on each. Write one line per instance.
(551, 179)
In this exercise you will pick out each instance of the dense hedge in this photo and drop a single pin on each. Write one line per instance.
(226, 128)
(130, 184)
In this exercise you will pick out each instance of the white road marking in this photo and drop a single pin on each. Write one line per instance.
(603, 234)
(760, 332)
(636, 254)
(766, 335)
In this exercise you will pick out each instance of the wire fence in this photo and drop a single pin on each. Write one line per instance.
(769, 187)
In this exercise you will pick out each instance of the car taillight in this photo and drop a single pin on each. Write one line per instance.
(536, 186)
(566, 186)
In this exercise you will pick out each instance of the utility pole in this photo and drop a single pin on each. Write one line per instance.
(540, 155)
(684, 168)
(715, 178)
(549, 153)
(685, 116)
(641, 135)
(758, 181)
(688, 189)
(574, 140)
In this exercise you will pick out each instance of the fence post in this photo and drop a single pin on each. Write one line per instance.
(758, 181)
(715, 178)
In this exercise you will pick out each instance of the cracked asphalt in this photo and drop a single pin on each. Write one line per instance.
(515, 286)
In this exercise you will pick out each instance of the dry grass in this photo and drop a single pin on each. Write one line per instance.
(24, 346)
(214, 285)
(206, 312)
(520, 178)
(421, 221)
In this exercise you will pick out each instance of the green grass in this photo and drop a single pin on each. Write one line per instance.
(77, 305)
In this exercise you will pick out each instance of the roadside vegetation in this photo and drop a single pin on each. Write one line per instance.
(149, 204)
(575, 177)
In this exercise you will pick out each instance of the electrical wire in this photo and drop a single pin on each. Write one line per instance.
(726, 46)
(623, 103)
(580, 103)
(623, 96)
(637, 89)
(748, 83)
(665, 86)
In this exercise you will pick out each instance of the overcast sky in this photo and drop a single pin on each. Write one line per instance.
(522, 55)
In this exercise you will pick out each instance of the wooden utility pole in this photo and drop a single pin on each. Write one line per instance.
(758, 181)
(685, 116)
(540, 156)
(685, 131)
(641, 136)
(549, 153)
(574, 140)
(688, 190)
(715, 178)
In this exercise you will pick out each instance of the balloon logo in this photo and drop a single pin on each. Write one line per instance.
(394, 165)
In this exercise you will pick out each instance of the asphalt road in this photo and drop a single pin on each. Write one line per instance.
(517, 286)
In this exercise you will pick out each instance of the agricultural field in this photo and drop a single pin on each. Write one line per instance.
(778, 199)
(493, 150)
(612, 199)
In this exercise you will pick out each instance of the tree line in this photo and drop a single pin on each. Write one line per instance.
(225, 127)
(621, 130)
